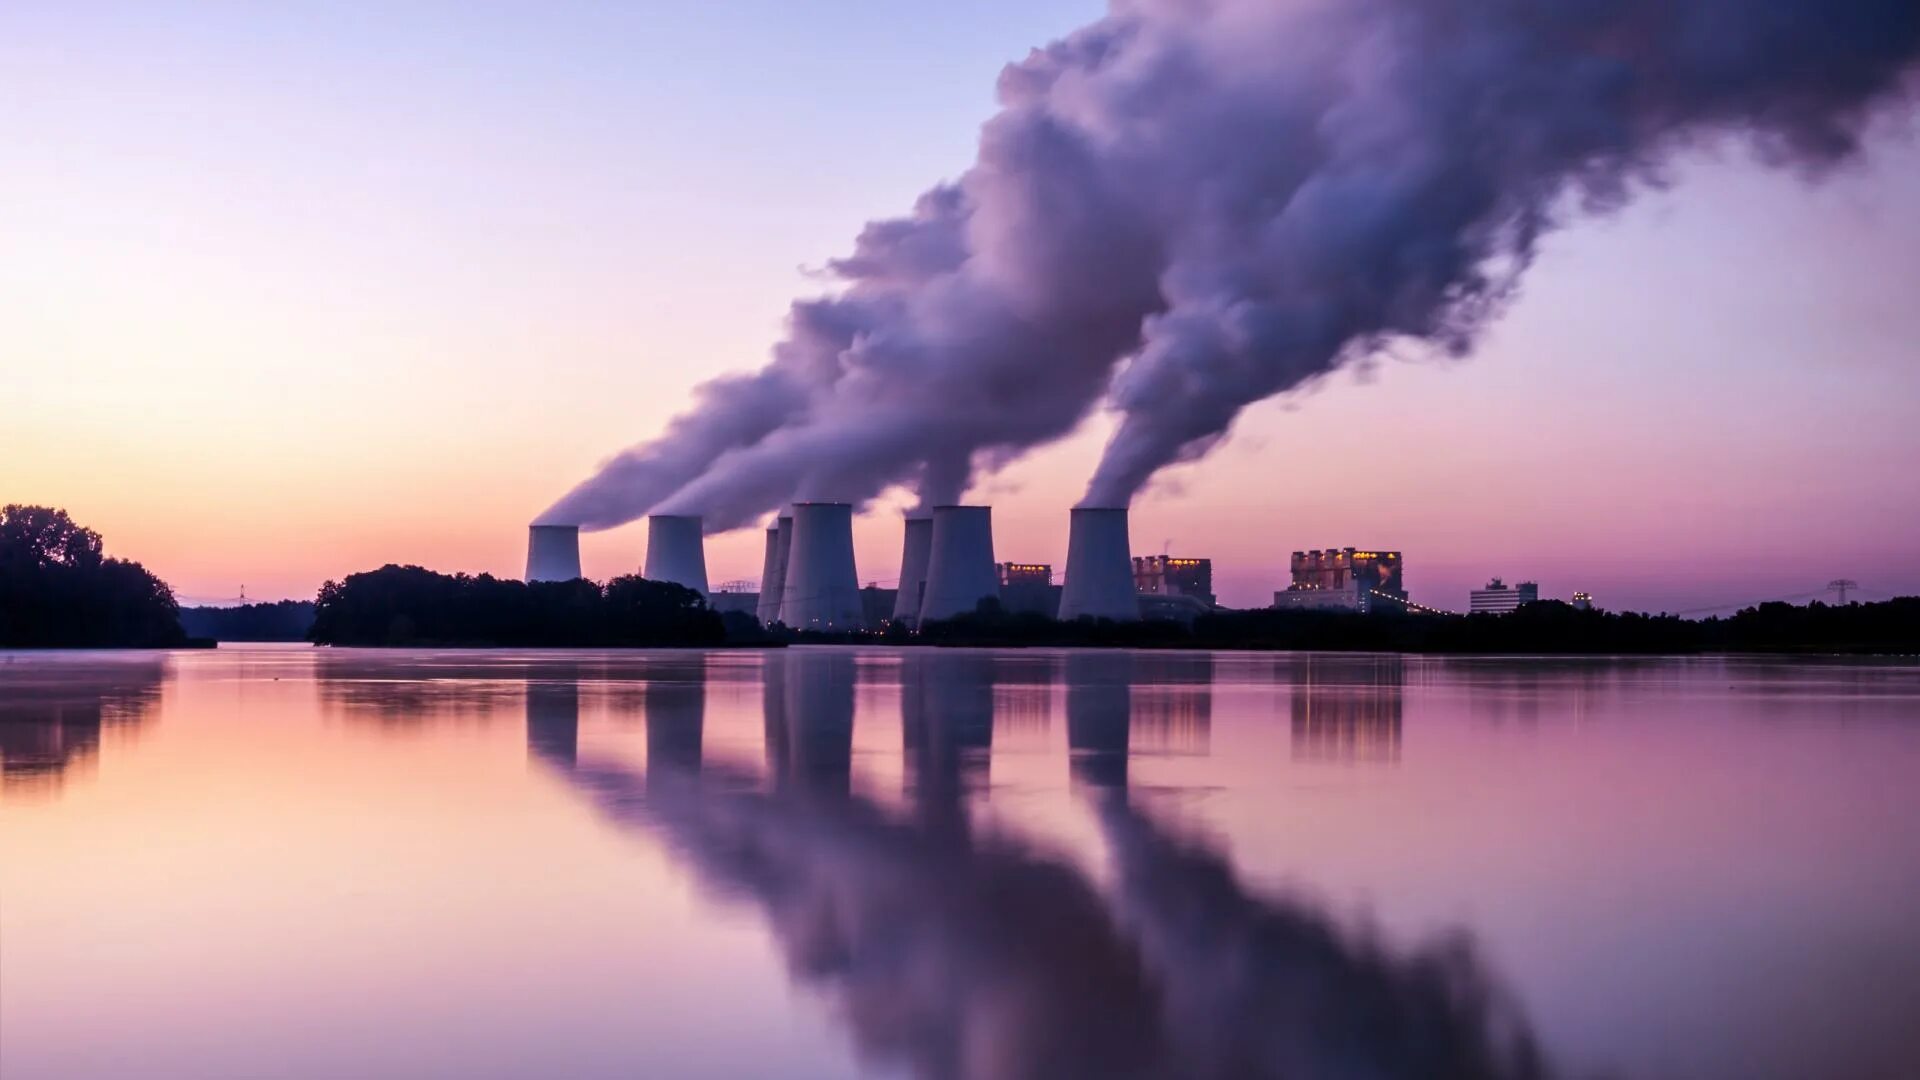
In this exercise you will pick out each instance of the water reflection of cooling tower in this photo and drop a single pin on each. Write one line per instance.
(553, 722)
(1347, 708)
(808, 705)
(1099, 717)
(946, 724)
(676, 713)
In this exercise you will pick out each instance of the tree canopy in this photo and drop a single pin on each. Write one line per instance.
(58, 589)
(410, 605)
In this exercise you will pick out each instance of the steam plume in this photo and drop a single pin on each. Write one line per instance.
(1192, 205)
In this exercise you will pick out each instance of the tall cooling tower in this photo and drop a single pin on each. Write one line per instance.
(960, 570)
(913, 570)
(773, 569)
(553, 552)
(822, 591)
(1099, 567)
(676, 551)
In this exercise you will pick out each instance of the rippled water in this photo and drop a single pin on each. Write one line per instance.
(823, 862)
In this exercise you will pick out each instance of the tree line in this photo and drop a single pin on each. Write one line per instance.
(59, 589)
(410, 605)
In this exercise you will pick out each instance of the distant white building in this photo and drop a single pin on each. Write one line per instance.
(1499, 598)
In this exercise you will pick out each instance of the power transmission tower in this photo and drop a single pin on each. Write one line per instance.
(1840, 586)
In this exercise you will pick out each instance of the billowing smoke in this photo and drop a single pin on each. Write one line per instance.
(1192, 205)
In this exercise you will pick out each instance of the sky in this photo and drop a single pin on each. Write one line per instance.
(289, 291)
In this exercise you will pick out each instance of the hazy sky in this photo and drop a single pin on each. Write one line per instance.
(293, 290)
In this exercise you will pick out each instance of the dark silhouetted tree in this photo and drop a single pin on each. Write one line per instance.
(58, 590)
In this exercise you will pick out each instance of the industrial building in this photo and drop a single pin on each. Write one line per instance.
(737, 596)
(1028, 588)
(1166, 575)
(1344, 579)
(1499, 598)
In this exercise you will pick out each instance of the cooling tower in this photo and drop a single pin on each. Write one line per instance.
(960, 570)
(1099, 567)
(821, 590)
(553, 552)
(676, 551)
(913, 570)
(773, 569)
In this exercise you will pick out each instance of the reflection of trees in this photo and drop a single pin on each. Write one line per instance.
(400, 690)
(54, 709)
(1347, 708)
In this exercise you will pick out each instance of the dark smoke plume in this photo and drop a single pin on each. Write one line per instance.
(1192, 205)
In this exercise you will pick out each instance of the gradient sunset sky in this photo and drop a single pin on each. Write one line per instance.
(289, 291)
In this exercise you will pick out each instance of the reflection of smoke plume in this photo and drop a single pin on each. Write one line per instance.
(1261, 989)
(952, 954)
(1223, 199)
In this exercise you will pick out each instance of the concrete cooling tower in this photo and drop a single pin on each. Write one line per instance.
(773, 569)
(960, 570)
(1099, 567)
(913, 570)
(822, 590)
(553, 552)
(676, 551)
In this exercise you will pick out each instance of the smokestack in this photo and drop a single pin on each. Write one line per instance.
(960, 571)
(676, 551)
(773, 571)
(553, 552)
(913, 570)
(1099, 567)
(822, 590)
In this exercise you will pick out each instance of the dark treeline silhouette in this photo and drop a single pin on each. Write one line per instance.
(287, 620)
(1548, 626)
(409, 605)
(58, 590)
(1891, 626)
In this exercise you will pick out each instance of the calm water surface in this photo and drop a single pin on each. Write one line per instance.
(286, 862)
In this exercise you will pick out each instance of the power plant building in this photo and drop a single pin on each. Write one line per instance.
(1344, 579)
(1499, 598)
(1165, 575)
(1028, 588)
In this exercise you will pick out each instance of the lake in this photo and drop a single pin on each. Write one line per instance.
(823, 862)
